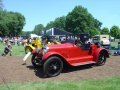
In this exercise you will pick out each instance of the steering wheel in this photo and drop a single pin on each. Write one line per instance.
(78, 43)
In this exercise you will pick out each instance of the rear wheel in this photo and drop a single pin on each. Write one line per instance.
(53, 66)
(101, 59)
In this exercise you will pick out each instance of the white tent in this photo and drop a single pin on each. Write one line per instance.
(33, 36)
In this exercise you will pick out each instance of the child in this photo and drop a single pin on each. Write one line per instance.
(7, 50)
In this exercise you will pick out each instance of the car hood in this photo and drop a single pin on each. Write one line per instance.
(65, 45)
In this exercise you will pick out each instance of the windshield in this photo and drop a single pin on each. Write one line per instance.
(68, 41)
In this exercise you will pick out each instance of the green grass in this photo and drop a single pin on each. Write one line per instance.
(112, 83)
(114, 44)
(16, 50)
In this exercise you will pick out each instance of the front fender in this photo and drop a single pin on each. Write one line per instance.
(97, 51)
(49, 54)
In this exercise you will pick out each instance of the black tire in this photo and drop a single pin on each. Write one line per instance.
(101, 59)
(27, 49)
(35, 61)
(53, 66)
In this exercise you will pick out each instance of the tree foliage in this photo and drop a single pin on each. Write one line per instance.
(81, 21)
(38, 29)
(11, 23)
(115, 31)
(58, 23)
(94, 32)
(49, 25)
(26, 33)
(105, 30)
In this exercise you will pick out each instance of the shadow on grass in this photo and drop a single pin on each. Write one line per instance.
(39, 70)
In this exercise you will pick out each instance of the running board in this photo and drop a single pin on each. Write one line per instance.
(83, 63)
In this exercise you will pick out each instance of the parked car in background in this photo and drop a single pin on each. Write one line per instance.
(103, 40)
(115, 50)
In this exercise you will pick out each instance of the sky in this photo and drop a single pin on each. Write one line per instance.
(44, 11)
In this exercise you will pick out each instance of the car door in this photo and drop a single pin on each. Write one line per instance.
(78, 55)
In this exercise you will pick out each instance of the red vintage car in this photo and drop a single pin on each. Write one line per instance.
(72, 51)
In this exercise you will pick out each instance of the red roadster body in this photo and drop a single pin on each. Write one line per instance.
(53, 57)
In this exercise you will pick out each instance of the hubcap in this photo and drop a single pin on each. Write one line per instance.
(54, 67)
(102, 59)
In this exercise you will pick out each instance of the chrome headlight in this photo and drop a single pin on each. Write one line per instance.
(45, 49)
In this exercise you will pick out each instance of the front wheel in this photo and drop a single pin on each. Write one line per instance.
(101, 59)
(53, 66)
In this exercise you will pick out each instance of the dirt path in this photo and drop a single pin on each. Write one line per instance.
(12, 70)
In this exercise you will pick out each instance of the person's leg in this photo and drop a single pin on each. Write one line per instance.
(6, 51)
(10, 53)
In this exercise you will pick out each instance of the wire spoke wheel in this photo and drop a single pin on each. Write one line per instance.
(101, 59)
(53, 66)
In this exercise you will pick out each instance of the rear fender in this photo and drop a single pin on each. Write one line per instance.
(99, 50)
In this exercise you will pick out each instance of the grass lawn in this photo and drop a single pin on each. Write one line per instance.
(114, 44)
(112, 83)
(16, 50)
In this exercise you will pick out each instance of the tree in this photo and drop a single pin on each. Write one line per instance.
(105, 30)
(114, 31)
(58, 23)
(26, 33)
(38, 29)
(119, 35)
(15, 23)
(81, 21)
(94, 32)
(50, 25)
(3, 26)
(77, 21)
(11, 23)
